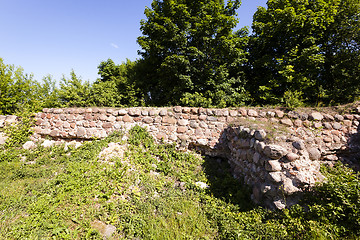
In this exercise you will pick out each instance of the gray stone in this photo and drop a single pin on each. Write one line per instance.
(279, 204)
(275, 151)
(2, 139)
(260, 134)
(314, 154)
(105, 230)
(300, 145)
(163, 112)
(183, 122)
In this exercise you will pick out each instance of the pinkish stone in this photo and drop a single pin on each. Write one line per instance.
(286, 122)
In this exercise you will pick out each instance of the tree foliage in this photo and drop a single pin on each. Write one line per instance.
(190, 55)
(17, 89)
(306, 47)
(116, 86)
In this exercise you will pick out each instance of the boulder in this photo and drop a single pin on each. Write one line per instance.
(275, 151)
(316, 116)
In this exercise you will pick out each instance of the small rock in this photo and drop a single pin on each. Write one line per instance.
(203, 142)
(331, 158)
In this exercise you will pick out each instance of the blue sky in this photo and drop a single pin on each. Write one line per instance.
(54, 36)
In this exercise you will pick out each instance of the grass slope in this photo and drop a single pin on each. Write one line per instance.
(152, 192)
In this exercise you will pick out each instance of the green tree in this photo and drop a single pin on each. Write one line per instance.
(116, 85)
(73, 92)
(17, 89)
(47, 93)
(190, 54)
(305, 48)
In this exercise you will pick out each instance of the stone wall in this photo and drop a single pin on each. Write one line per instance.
(277, 153)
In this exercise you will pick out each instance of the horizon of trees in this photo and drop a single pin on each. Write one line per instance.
(301, 52)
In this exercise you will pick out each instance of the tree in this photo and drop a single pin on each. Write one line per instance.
(190, 54)
(306, 49)
(116, 85)
(17, 89)
(73, 92)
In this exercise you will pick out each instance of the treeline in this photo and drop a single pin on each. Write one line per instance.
(301, 52)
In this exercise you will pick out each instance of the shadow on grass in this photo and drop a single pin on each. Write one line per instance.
(224, 186)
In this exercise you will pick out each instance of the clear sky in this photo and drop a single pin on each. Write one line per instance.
(54, 36)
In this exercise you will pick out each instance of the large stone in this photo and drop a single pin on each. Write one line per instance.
(292, 157)
(48, 143)
(316, 116)
(300, 145)
(275, 151)
(260, 134)
(314, 154)
(273, 166)
(252, 113)
(279, 113)
(275, 176)
(10, 119)
(337, 126)
(287, 122)
(134, 112)
(148, 120)
(80, 133)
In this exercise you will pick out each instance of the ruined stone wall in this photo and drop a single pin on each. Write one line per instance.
(277, 153)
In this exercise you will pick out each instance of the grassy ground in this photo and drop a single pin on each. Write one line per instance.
(150, 192)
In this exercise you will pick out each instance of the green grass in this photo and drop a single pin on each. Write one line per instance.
(149, 193)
